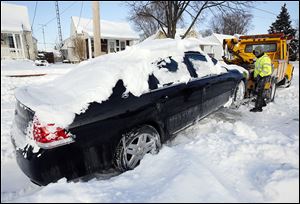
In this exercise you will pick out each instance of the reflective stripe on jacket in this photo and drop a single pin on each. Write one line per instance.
(263, 66)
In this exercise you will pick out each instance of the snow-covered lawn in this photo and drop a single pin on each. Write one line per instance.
(230, 156)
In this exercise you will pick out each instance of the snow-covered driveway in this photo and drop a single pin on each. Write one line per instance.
(230, 156)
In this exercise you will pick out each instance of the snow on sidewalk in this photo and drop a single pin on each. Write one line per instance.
(27, 67)
(229, 156)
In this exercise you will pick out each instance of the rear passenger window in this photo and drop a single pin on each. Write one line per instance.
(169, 64)
(201, 65)
(118, 90)
(168, 71)
(153, 82)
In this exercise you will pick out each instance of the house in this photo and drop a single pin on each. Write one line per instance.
(179, 33)
(205, 44)
(115, 36)
(217, 50)
(17, 41)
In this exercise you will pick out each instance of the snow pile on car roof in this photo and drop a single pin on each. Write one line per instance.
(59, 100)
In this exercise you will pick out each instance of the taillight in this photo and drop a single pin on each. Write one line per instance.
(49, 136)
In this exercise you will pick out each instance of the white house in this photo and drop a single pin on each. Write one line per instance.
(217, 50)
(115, 36)
(16, 36)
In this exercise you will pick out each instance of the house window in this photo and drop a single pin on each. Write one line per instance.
(11, 41)
(18, 40)
(122, 45)
(4, 40)
(127, 42)
(104, 45)
(92, 43)
(117, 42)
(112, 46)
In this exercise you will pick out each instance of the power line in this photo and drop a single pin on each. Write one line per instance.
(61, 13)
(43, 25)
(47, 43)
(268, 12)
(80, 13)
(263, 10)
(36, 3)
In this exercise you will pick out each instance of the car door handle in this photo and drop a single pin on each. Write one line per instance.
(207, 85)
(163, 99)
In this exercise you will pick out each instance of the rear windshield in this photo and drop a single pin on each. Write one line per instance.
(270, 47)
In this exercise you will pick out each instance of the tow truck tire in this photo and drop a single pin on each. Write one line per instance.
(287, 83)
(270, 93)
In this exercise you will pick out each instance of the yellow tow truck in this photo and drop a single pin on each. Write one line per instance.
(239, 51)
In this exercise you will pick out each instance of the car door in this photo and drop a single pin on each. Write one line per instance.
(213, 85)
(172, 96)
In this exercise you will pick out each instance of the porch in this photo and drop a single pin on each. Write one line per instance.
(107, 46)
(12, 46)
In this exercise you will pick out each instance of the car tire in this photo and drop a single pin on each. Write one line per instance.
(238, 95)
(134, 145)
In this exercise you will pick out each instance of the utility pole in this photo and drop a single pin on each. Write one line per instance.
(58, 24)
(96, 29)
(43, 25)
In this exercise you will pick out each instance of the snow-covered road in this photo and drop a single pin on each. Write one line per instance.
(230, 156)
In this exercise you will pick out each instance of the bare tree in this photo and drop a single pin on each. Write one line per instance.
(206, 32)
(167, 14)
(234, 23)
(297, 28)
(145, 23)
(79, 47)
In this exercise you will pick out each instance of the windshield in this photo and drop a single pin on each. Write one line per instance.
(270, 47)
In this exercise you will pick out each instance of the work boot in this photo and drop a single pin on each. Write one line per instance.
(256, 110)
(264, 103)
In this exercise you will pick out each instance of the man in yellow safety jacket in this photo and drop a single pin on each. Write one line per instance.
(262, 74)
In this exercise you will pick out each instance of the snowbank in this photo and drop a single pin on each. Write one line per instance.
(27, 67)
(92, 81)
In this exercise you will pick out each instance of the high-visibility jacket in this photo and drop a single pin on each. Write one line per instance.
(263, 66)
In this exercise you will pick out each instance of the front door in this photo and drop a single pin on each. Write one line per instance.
(122, 45)
(111, 46)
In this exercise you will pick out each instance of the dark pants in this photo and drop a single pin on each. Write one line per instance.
(260, 87)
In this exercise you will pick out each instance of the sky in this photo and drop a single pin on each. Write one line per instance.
(117, 11)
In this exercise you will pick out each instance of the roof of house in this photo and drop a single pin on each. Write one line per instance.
(218, 38)
(108, 29)
(14, 18)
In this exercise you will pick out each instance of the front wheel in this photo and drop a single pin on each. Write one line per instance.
(134, 145)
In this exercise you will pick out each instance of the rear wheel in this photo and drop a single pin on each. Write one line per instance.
(134, 145)
(238, 95)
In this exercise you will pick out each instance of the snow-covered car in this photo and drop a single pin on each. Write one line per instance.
(39, 62)
(109, 112)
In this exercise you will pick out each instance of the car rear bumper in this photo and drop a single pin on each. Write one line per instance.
(48, 166)
(70, 161)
